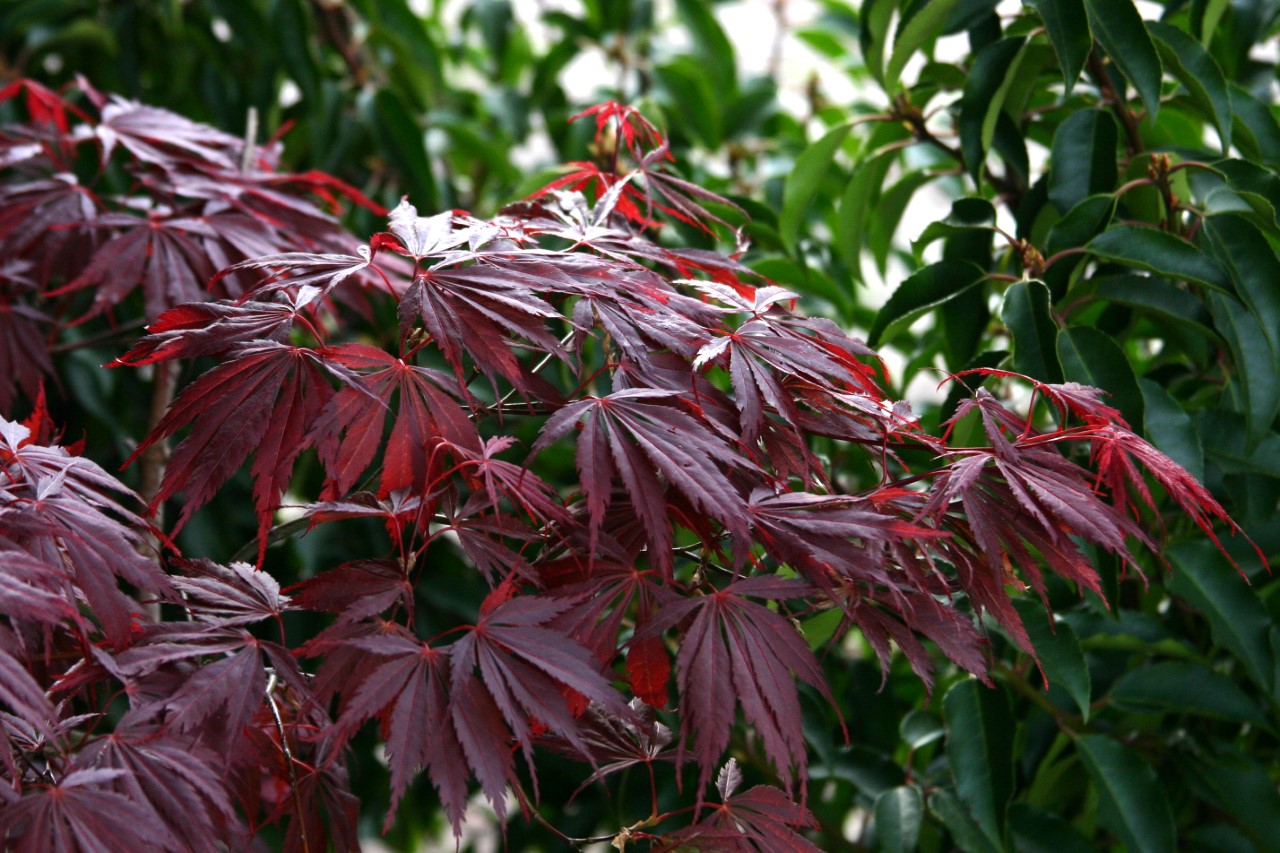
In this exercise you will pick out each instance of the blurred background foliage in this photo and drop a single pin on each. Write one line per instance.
(1058, 187)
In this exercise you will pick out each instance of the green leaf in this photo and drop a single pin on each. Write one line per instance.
(1120, 30)
(994, 70)
(1159, 252)
(1205, 24)
(819, 629)
(888, 214)
(1069, 32)
(1083, 158)
(1059, 653)
(1258, 187)
(980, 728)
(1256, 379)
(1225, 442)
(967, 214)
(288, 16)
(712, 48)
(1081, 223)
(932, 286)
(855, 208)
(692, 96)
(1254, 268)
(1242, 788)
(965, 832)
(899, 813)
(1169, 428)
(873, 37)
(870, 771)
(1131, 800)
(1237, 619)
(1255, 130)
(1038, 831)
(920, 728)
(1180, 687)
(404, 144)
(1162, 299)
(810, 171)
(1196, 69)
(913, 33)
(968, 14)
(1091, 357)
(1026, 311)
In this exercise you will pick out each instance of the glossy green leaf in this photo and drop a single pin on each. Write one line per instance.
(856, 204)
(819, 629)
(932, 286)
(1225, 441)
(1069, 32)
(965, 832)
(1206, 17)
(980, 728)
(1091, 357)
(1038, 831)
(712, 46)
(1257, 186)
(1120, 30)
(1059, 653)
(1254, 267)
(869, 770)
(1027, 313)
(290, 17)
(691, 94)
(1080, 223)
(1157, 297)
(968, 14)
(888, 215)
(877, 16)
(1188, 61)
(913, 33)
(1242, 788)
(1236, 616)
(1170, 428)
(404, 144)
(899, 813)
(967, 214)
(811, 170)
(1159, 252)
(1131, 799)
(1255, 131)
(1083, 158)
(1256, 380)
(1182, 687)
(994, 70)
(962, 324)
(920, 728)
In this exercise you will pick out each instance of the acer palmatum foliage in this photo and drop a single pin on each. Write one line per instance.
(114, 209)
(698, 527)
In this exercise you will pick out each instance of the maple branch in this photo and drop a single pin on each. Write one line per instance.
(250, 145)
(288, 759)
(152, 464)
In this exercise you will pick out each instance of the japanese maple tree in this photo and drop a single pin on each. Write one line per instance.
(643, 599)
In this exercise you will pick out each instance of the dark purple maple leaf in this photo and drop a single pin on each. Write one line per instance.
(179, 781)
(236, 594)
(641, 437)
(759, 820)
(210, 328)
(82, 812)
(264, 400)
(349, 431)
(737, 652)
